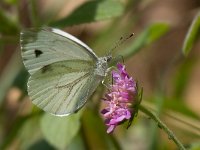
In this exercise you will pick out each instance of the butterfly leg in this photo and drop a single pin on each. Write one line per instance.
(108, 76)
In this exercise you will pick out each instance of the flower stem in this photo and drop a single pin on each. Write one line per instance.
(162, 125)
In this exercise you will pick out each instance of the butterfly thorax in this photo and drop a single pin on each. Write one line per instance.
(102, 66)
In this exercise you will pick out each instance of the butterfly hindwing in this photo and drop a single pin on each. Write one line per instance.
(63, 87)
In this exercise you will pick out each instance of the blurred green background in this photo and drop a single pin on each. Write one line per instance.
(163, 55)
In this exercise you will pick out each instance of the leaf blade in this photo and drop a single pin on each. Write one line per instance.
(59, 131)
(192, 35)
(148, 36)
(91, 11)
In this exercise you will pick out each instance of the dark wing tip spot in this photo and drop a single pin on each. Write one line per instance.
(38, 52)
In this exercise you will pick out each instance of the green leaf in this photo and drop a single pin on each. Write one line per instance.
(60, 131)
(40, 145)
(148, 36)
(14, 131)
(77, 143)
(195, 146)
(192, 35)
(29, 133)
(92, 11)
(9, 74)
(179, 106)
(7, 25)
(11, 2)
(182, 77)
(33, 8)
(94, 131)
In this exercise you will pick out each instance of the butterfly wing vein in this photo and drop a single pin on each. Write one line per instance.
(61, 68)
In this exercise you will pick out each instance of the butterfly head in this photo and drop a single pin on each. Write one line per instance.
(102, 65)
(108, 58)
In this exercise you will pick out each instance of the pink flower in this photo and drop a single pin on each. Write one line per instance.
(119, 99)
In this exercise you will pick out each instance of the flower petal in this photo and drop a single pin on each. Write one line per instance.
(119, 99)
(110, 128)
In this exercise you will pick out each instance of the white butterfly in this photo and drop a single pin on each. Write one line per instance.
(64, 71)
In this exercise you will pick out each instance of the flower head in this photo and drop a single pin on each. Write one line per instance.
(119, 99)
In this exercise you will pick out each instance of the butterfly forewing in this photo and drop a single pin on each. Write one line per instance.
(41, 47)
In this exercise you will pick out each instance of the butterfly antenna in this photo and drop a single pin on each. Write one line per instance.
(120, 42)
(112, 79)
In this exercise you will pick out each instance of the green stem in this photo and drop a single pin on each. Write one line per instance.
(161, 124)
(34, 13)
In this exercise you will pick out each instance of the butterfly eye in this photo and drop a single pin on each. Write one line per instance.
(108, 58)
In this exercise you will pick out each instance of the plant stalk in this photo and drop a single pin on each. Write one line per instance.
(163, 126)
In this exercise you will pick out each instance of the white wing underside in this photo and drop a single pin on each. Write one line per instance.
(52, 45)
(62, 92)
(61, 68)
